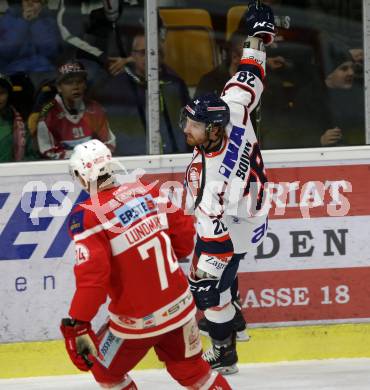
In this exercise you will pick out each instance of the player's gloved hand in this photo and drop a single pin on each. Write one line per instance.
(81, 342)
(205, 292)
(259, 22)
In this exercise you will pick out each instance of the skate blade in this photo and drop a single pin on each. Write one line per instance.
(242, 336)
(229, 370)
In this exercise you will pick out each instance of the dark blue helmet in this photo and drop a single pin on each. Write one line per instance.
(209, 109)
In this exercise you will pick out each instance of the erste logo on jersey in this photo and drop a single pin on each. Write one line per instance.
(193, 177)
(136, 209)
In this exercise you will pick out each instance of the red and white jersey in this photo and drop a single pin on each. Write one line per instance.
(230, 216)
(127, 248)
(59, 131)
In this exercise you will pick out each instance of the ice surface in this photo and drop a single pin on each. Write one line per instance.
(338, 374)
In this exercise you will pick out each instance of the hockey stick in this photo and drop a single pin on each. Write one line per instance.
(258, 109)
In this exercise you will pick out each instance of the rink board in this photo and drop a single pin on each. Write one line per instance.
(266, 345)
(312, 268)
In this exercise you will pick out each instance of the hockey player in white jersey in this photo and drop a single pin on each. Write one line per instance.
(225, 186)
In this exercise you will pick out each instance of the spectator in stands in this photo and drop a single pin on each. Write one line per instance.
(124, 97)
(357, 55)
(215, 80)
(70, 118)
(12, 128)
(110, 28)
(327, 111)
(290, 63)
(23, 93)
(340, 21)
(103, 42)
(29, 38)
(336, 106)
(43, 95)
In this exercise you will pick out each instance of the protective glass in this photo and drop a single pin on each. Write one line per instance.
(182, 119)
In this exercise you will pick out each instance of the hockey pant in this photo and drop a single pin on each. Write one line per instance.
(180, 350)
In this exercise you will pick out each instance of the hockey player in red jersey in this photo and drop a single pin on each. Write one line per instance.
(225, 186)
(70, 118)
(126, 249)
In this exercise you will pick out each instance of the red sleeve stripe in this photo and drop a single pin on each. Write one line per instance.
(246, 61)
(242, 86)
(245, 117)
(219, 255)
(218, 239)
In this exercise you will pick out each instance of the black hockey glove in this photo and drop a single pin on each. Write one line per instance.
(205, 292)
(259, 22)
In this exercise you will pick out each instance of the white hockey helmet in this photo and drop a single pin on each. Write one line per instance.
(90, 160)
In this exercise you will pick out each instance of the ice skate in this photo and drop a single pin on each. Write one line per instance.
(222, 356)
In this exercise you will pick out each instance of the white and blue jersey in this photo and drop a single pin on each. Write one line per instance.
(231, 217)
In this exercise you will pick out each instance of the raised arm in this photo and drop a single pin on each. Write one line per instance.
(246, 86)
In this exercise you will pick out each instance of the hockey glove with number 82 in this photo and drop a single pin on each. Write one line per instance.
(81, 342)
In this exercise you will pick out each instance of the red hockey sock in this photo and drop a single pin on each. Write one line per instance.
(215, 381)
(131, 386)
(127, 384)
(219, 384)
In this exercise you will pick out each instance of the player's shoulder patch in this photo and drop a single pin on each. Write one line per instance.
(76, 222)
